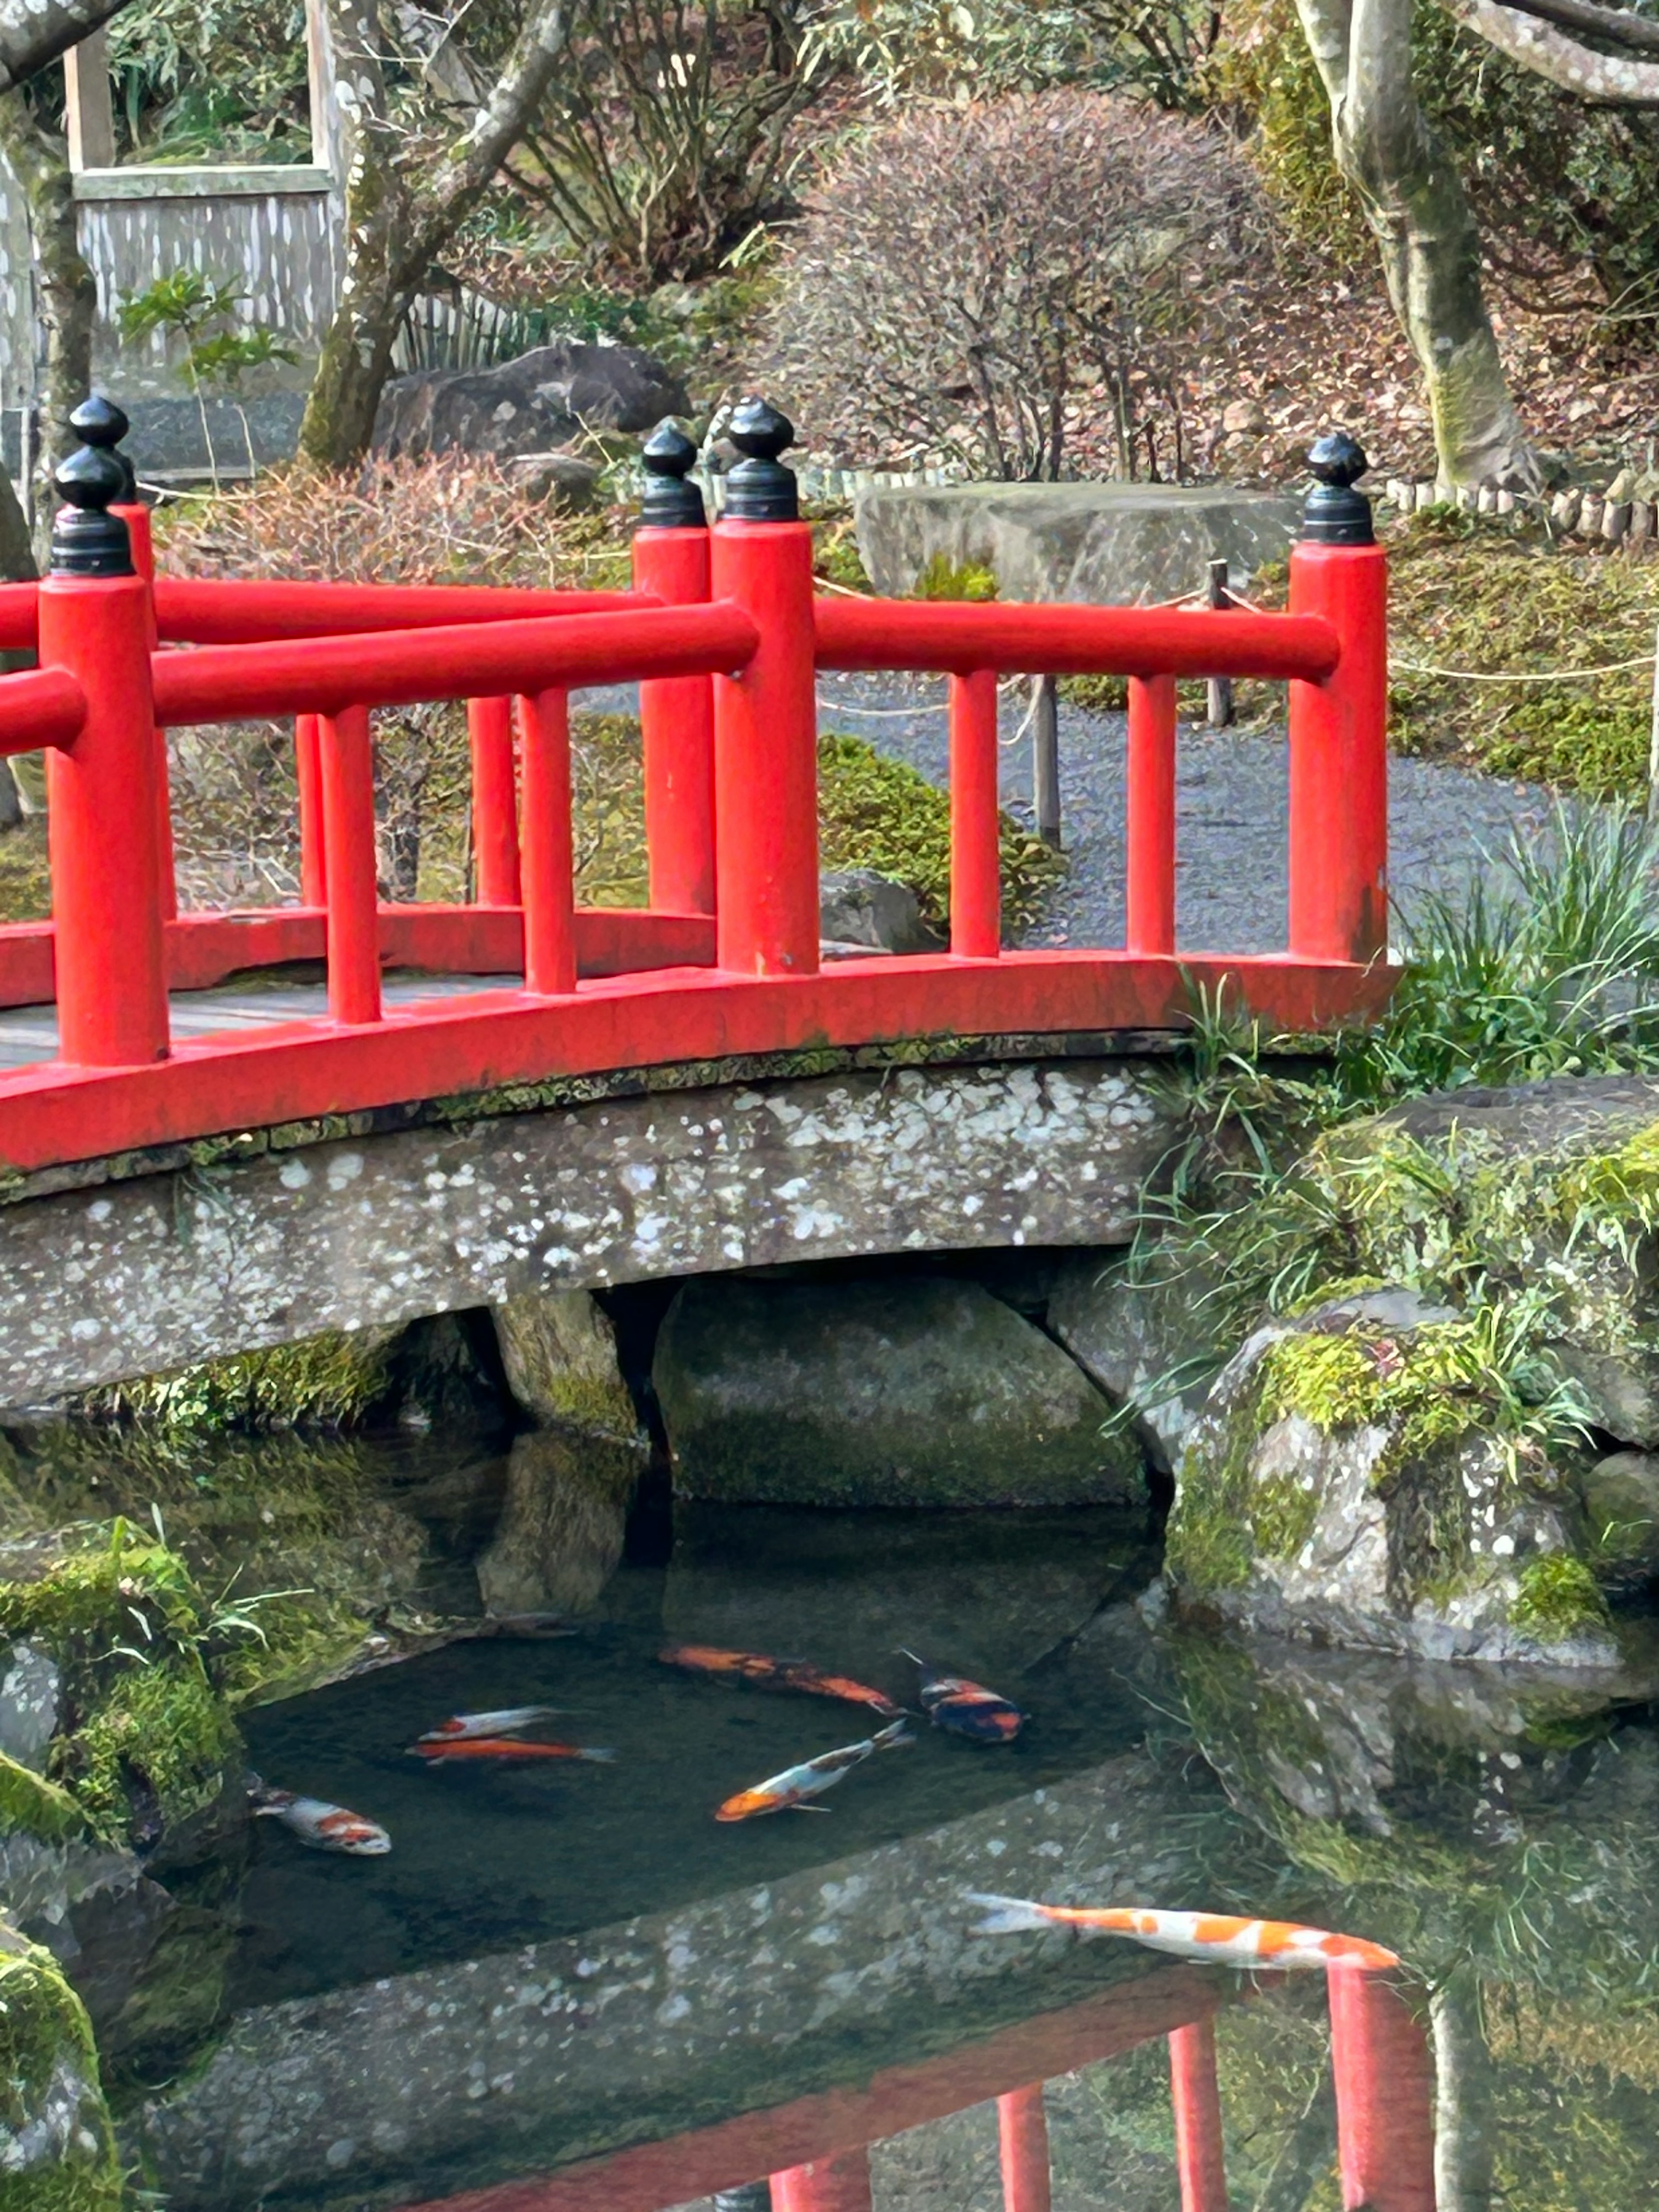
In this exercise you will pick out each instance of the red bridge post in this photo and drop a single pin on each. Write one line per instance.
(1200, 2160)
(1339, 901)
(975, 858)
(840, 2184)
(1023, 2139)
(676, 713)
(1384, 2094)
(495, 802)
(765, 835)
(1150, 882)
(96, 620)
(346, 755)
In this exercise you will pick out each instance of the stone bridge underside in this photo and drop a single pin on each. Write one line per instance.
(278, 1234)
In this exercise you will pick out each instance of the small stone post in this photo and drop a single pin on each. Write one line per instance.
(1045, 757)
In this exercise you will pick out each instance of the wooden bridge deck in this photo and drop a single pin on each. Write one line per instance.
(29, 1034)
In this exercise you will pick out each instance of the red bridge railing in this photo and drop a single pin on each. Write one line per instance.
(724, 635)
(815, 2151)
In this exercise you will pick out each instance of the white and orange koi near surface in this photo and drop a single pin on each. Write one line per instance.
(1213, 1938)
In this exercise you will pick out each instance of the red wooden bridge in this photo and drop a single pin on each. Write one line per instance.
(724, 633)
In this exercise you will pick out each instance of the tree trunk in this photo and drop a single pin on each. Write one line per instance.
(1414, 201)
(355, 360)
(35, 31)
(1463, 2098)
(66, 295)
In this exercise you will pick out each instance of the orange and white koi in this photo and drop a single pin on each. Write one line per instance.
(776, 1675)
(454, 1748)
(1214, 1937)
(966, 1708)
(787, 1792)
(326, 1827)
(512, 1720)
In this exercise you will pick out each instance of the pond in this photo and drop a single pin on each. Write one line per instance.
(564, 1962)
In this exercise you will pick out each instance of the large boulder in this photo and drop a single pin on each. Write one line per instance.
(1359, 1478)
(1146, 1333)
(910, 1391)
(559, 1350)
(1115, 544)
(530, 406)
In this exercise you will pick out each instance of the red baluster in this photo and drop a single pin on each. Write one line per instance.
(766, 836)
(676, 713)
(495, 801)
(1339, 904)
(95, 618)
(347, 760)
(840, 2184)
(1384, 2094)
(976, 874)
(309, 773)
(548, 863)
(1151, 815)
(1023, 2137)
(1199, 2157)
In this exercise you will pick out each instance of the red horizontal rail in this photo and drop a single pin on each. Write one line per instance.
(40, 706)
(324, 675)
(223, 610)
(956, 640)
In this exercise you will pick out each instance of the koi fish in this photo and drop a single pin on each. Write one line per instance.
(460, 1727)
(776, 1673)
(788, 1791)
(326, 1827)
(966, 1708)
(1215, 1938)
(453, 1749)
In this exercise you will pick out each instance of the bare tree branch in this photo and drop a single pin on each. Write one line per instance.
(1619, 26)
(35, 31)
(1550, 53)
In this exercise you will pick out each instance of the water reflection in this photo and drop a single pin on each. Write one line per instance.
(558, 1968)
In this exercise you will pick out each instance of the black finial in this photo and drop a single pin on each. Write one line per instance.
(1334, 514)
(99, 421)
(86, 539)
(759, 489)
(670, 502)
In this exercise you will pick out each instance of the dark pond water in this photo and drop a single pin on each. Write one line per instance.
(570, 1961)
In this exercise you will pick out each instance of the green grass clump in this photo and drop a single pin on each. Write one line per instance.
(32, 1806)
(1558, 1599)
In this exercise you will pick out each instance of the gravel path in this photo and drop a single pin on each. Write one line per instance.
(1230, 814)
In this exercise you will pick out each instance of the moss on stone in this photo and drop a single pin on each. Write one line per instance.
(30, 1805)
(1558, 1599)
(147, 1738)
(945, 578)
(333, 1380)
(1208, 1544)
(59, 2151)
(1427, 1384)
(1282, 1514)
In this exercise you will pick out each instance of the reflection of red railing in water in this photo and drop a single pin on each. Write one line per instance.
(725, 632)
(817, 2149)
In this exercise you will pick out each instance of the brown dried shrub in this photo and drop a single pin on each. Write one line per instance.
(968, 285)
(445, 520)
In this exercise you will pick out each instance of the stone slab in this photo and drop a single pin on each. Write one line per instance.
(169, 1269)
(1096, 543)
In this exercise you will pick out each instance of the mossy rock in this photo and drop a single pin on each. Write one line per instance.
(57, 2149)
(30, 1805)
(334, 1380)
(1373, 1485)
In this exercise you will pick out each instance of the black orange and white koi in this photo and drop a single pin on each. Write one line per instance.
(452, 1750)
(966, 1708)
(510, 1720)
(776, 1675)
(1216, 1938)
(326, 1827)
(788, 1792)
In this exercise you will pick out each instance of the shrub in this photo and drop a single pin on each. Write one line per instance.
(967, 283)
(447, 521)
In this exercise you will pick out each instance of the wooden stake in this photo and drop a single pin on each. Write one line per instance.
(1045, 757)
(89, 116)
(1218, 706)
